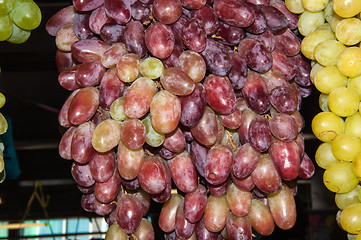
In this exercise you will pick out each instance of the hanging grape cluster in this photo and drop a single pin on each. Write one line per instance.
(17, 19)
(192, 104)
(332, 42)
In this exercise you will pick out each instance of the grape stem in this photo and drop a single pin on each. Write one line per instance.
(230, 139)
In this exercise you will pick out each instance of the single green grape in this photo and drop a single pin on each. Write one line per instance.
(19, 35)
(26, 14)
(6, 6)
(6, 27)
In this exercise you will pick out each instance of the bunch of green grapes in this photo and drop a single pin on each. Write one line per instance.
(17, 19)
(332, 35)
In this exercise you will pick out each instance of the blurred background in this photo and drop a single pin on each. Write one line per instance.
(39, 188)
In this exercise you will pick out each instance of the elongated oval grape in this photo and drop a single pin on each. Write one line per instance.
(218, 164)
(265, 176)
(118, 10)
(132, 133)
(110, 89)
(238, 227)
(165, 111)
(216, 213)
(167, 11)
(283, 208)
(195, 204)
(207, 18)
(260, 134)
(127, 67)
(183, 228)
(220, 94)
(65, 38)
(177, 82)
(152, 176)
(61, 18)
(106, 192)
(261, 218)
(145, 230)
(202, 233)
(286, 158)
(134, 38)
(111, 56)
(66, 78)
(216, 57)
(255, 93)
(194, 37)
(102, 166)
(129, 161)
(167, 214)
(81, 25)
(129, 213)
(82, 175)
(87, 50)
(192, 64)
(183, 172)
(159, 39)
(193, 106)
(97, 19)
(106, 135)
(245, 161)
(138, 97)
(283, 127)
(239, 201)
(234, 12)
(82, 150)
(65, 144)
(89, 73)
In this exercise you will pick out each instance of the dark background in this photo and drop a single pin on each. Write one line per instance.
(28, 79)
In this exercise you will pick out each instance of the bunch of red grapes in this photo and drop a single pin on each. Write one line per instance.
(190, 103)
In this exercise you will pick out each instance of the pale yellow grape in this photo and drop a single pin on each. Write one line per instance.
(334, 21)
(314, 5)
(151, 68)
(353, 125)
(349, 61)
(324, 157)
(309, 42)
(357, 166)
(3, 124)
(327, 51)
(294, 6)
(355, 84)
(350, 218)
(327, 125)
(323, 102)
(345, 147)
(328, 12)
(343, 200)
(347, 8)
(117, 110)
(324, 26)
(328, 79)
(309, 22)
(343, 101)
(315, 68)
(152, 137)
(2, 100)
(339, 177)
(348, 31)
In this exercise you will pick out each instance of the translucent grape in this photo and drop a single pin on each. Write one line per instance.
(19, 35)
(26, 14)
(327, 51)
(308, 22)
(324, 156)
(339, 177)
(348, 62)
(348, 31)
(309, 43)
(328, 79)
(345, 147)
(327, 125)
(352, 125)
(343, 101)
(6, 6)
(151, 68)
